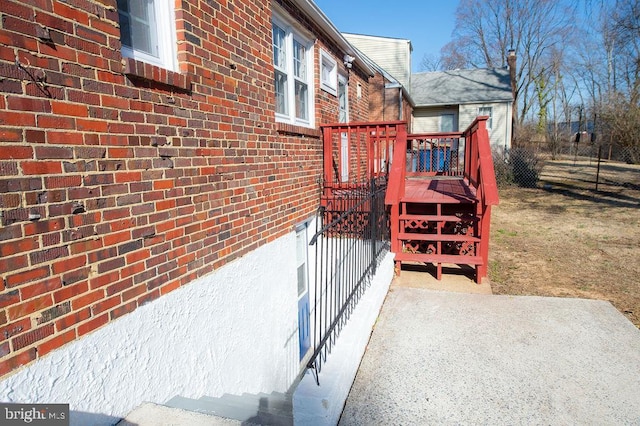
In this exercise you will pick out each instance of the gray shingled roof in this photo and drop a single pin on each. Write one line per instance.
(461, 87)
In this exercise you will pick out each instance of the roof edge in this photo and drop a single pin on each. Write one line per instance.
(318, 16)
(493, 101)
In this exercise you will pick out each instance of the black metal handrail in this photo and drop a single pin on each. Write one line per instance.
(350, 241)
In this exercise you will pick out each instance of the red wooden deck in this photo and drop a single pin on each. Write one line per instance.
(438, 190)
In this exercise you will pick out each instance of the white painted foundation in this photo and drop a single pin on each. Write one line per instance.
(232, 331)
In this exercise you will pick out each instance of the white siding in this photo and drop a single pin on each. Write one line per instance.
(500, 132)
(393, 55)
(427, 120)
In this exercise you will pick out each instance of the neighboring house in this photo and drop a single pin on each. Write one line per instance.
(388, 99)
(159, 173)
(571, 128)
(391, 54)
(450, 100)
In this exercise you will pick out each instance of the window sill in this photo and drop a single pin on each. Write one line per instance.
(290, 129)
(154, 73)
(329, 89)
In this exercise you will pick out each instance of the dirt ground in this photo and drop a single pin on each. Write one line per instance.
(565, 239)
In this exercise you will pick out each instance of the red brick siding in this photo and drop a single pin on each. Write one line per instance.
(383, 103)
(120, 182)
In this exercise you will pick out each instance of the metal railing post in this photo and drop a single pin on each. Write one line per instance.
(344, 264)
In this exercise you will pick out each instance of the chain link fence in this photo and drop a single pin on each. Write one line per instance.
(587, 165)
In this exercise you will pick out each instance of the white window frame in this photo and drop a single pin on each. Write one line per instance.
(453, 121)
(345, 82)
(343, 117)
(302, 260)
(164, 30)
(328, 73)
(487, 110)
(292, 34)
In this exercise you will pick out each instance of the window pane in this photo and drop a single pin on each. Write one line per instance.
(301, 260)
(301, 101)
(326, 73)
(342, 100)
(487, 111)
(141, 36)
(281, 93)
(299, 60)
(446, 123)
(279, 48)
(138, 25)
(302, 279)
(125, 29)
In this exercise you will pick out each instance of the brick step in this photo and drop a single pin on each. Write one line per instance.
(439, 258)
(437, 218)
(414, 236)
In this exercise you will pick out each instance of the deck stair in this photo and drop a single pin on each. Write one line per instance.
(439, 192)
(440, 208)
(443, 230)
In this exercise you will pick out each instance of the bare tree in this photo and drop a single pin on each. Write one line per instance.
(486, 29)
(453, 58)
(561, 95)
(620, 106)
(624, 20)
(621, 124)
(431, 62)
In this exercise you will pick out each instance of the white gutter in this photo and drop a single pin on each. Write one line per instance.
(318, 16)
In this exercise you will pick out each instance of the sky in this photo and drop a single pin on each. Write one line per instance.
(427, 23)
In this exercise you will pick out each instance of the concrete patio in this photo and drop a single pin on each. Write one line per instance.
(450, 352)
(452, 357)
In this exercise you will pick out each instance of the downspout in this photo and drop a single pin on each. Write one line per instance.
(507, 137)
(384, 100)
(511, 61)
(400, 112)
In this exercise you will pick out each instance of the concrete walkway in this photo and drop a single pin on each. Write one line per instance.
(439, 357)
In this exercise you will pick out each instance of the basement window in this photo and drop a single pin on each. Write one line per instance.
(147, 31)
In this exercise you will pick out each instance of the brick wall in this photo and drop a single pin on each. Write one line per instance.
(120, 181)
(383, 103)
(377, 99)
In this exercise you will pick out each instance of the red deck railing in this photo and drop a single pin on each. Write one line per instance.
(479, 172)
(434, 154)
(358, 152)
(478, 162)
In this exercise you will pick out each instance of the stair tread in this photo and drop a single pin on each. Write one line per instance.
(440, 258)
(214, 407)
(271, 403)
(414, 236)
(436, 218)
(451, 200)
(150, 414)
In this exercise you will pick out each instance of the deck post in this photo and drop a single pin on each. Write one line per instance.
(395, 227)
(485, 229)
(328, 154)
